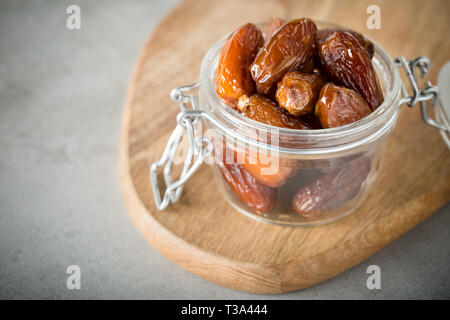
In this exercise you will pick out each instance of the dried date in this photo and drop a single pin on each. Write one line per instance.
(261, 109)
(274, 24)
(347, 63)
(332, 189)
(247, 189)
(268, 169)
(323, 34)
(291, 47)
(298, 92)
(338, 106)
(233, 77)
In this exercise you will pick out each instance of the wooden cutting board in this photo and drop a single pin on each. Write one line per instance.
(207, 237)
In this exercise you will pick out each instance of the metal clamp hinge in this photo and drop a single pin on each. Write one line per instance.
(429, 93)
(199, 147)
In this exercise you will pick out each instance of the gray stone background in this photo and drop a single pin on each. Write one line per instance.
(61, 100)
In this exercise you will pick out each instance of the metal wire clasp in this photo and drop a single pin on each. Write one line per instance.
(429, 93)
(199, 147)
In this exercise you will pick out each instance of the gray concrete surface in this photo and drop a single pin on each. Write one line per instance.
(61, 99)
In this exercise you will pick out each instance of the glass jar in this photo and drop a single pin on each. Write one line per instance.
(285, 176)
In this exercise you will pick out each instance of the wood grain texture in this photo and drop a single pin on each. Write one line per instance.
(202, 233)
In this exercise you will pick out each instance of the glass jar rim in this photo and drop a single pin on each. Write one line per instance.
(352, 129)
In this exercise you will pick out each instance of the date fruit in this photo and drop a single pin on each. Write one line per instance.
(266, 168)
(270, 169)
(323, 34)
(261, 109)
(347, 63)
(291, 47)
(233, 77)
(274, 24)
(338, 106)
(250, 191)
(298, 92)
(331, 190)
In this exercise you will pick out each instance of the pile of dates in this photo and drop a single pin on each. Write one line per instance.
(298, 77)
